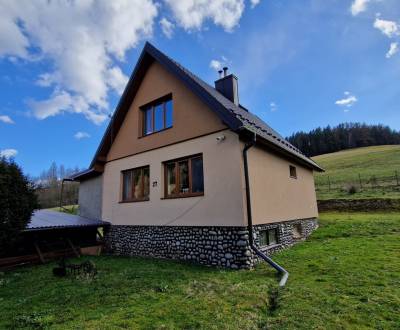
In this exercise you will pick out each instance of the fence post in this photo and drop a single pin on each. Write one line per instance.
(397, 177)
(329, 183)
(359, 179)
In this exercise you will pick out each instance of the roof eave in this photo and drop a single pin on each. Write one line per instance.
(305, 161)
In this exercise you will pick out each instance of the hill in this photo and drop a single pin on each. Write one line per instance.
(344, 136)
(368, 172)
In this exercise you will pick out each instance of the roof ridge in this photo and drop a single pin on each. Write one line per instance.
(234, 116)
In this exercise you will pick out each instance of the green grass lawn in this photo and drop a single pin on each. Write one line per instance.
(344, 168)
(71, 209)
(346, 276)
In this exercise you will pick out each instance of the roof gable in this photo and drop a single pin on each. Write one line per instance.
(235, 117)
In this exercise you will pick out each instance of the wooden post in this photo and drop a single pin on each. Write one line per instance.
(73, 247)
(39, 253)
(359, 179)
(397, 177)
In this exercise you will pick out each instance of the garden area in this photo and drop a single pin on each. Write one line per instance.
(345, 276)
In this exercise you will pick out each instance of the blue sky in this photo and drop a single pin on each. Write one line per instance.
(300, 64)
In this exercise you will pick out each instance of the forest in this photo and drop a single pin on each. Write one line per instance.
(343, 136)
(48, 186)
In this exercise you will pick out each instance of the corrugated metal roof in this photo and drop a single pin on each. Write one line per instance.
(45, 219)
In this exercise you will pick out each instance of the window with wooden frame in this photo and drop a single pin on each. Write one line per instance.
(268, 237)
(135, 184)
(157, 115)
(184, 177)
(293, 171)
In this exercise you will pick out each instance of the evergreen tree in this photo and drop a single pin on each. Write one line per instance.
(344, 136)
(17, 203)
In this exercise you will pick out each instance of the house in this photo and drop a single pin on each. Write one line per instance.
(184, 171)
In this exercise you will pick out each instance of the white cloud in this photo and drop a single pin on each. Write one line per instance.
(85, 41)
(358, 6)
(191, 14)
(116, 79)
(167, 27)
(216, 65)
(273, 106)
(82, 39)
(394, 48)
(388, 28)
(62, 102)
(348, 101)
(8, 153)
(81, 135)
(6, 119)
(254, 3)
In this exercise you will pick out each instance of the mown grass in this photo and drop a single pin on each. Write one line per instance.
(346, 276)
(71, 209)
(375, 166)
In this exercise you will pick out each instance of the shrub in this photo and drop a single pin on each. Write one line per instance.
(17, 202)
(351, 189)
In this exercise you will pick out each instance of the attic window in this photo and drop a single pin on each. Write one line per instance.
(293, 171)
(157, 115)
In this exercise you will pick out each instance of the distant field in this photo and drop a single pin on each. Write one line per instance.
(370, 170)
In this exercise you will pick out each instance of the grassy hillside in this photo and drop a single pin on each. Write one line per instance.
(370, 170)
(344, 277)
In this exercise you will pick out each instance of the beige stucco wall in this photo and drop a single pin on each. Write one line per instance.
(275, 195)
(221, 205)
(90, 198)
(191, 117)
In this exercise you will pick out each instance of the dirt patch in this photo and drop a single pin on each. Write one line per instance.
(360, 205)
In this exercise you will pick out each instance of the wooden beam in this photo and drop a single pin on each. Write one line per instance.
(73, 248)
(41, 257)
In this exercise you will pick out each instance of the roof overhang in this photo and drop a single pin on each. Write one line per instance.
(84, 175)
(237, 118)
(248, 135)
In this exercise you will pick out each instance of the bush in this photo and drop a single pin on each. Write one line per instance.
(17, 202)
(351, 189)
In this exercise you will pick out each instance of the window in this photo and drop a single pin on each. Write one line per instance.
(157, 116)
(184, 177)
(293, 171)
(268, 237)
(136, 184)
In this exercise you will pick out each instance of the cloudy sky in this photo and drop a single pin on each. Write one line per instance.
(301, 64)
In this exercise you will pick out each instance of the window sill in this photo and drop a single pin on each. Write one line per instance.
(134, 200)
(268, 247)
(183, 196)
(293, 177)
(160, 131)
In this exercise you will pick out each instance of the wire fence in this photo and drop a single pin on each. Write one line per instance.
(326, 183)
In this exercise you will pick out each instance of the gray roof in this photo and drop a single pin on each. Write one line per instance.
(236, 117)
(45, 219)
(249, 120)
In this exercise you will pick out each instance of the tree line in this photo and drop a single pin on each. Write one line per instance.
(48, 186)
(343, 136)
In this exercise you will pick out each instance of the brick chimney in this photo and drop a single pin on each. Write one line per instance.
(227, 85)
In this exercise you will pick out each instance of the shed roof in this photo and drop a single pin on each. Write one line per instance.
(45, 219)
